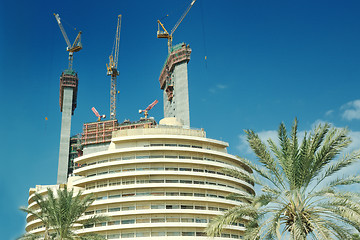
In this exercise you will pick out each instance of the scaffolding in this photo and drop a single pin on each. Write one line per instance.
(74, 151)
(179, 53)
(101, 131)
(68, 79)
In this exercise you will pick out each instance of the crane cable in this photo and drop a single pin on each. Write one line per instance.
(203, 32)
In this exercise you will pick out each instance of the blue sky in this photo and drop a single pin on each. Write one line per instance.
(267, 62)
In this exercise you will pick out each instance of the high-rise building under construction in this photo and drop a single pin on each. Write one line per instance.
(152, 180)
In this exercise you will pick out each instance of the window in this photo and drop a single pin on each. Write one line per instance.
(115, 196)
(200, 234)
(113, 236)
(139, 207)
(213, 208)
(113, 223)
(199, 182)
(142, 220)
(186, 181)
(89, 213)
(157, 194)
(157, 206)
(187, 234)
(127, 235)
(101, 211)
(157, 220)
(200, 207)
(199, 195)
(128, 194)
(185, 194)
(102, 224)
(156, 181)
(172, 206)
(172, 181)
(173, 234)
(116, 209)
(185, 169)
(183, 145)
(194, 146)
(157, 234)
(129, 221)
(173, 219)
(127, 208)
(172, 194)
(171, 169)
(201, 220)
(143, 234)
(183, 219)
(187, 207)
(170, 145)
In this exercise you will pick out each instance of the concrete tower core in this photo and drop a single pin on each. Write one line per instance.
(174, 81)
(68, 96)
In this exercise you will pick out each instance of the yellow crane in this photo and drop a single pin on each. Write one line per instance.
(75, 47)
(112, 69)
(165, 34)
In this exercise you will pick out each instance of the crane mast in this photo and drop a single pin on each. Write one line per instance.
(75, 47)
(112, 69)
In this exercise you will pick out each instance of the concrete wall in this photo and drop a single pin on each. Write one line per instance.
(179, 106)
(65, 135)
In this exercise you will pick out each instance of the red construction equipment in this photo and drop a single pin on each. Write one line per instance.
(145, 111)
(97, 114)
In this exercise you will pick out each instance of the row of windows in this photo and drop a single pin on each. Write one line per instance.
(157, 167)
(124, 158)
(141, 180)
(169, 233)
(168, 219)
(143, 206)
(161, 193)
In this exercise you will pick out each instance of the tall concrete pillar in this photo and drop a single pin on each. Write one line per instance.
(65, 135)
(178, 106)
(68, 99)
(174, 81)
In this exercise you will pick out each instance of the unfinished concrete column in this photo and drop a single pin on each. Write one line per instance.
(174, 81)
(68, 95)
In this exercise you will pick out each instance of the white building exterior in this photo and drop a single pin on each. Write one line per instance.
(160, 183)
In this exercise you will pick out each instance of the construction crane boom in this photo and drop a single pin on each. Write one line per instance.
(112, 69)
(165, 34)
(97, 114)
(146, 110)
(75, 47)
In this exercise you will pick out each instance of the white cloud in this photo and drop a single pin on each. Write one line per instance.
(329, 113)
(217, 87)
(351, 110)
(221, 86)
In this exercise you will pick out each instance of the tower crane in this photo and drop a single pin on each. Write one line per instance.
(75, 47)
(112, 70)
(165, 34)
(146, 110)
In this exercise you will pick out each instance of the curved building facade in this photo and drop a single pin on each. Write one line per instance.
(163, 182)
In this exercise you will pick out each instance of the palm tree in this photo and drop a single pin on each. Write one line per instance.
(300, 197)
(60, 214)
